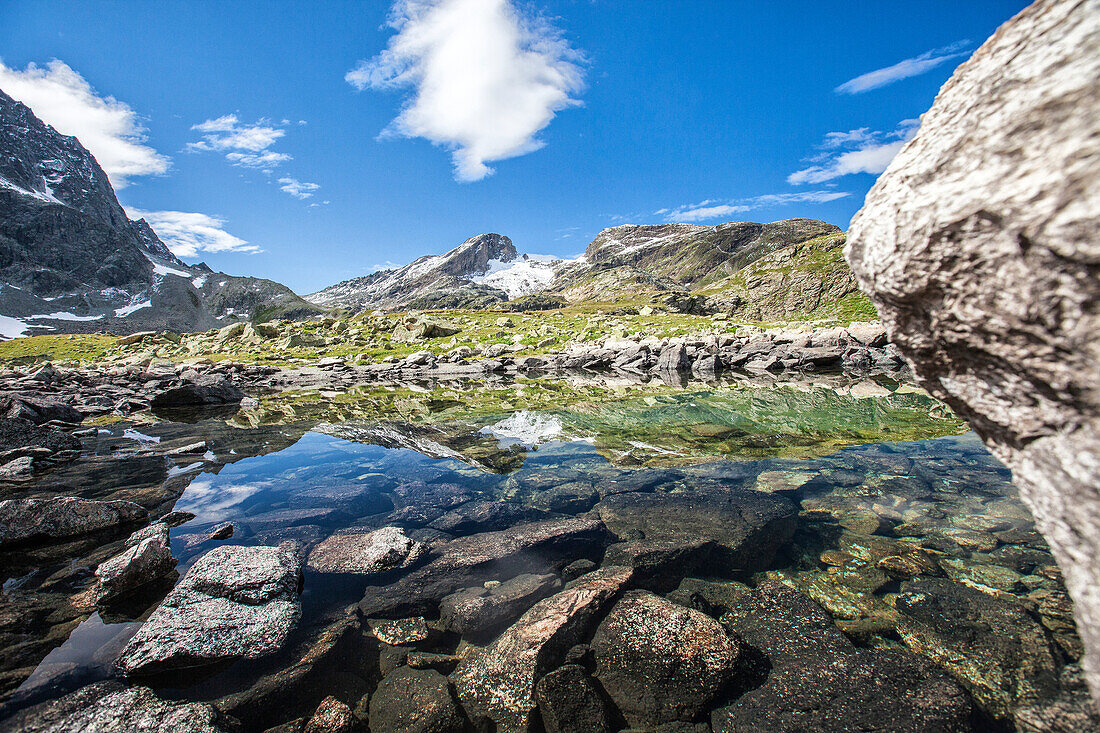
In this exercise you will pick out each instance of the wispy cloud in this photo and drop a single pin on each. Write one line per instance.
(914, 66)
(485, 76)
(855, 151)
(187, 233)
(712, 209)
(245, 145)
(297, 189)
(108, 128)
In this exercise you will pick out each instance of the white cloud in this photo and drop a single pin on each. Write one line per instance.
(486, 78)
(188, 233)
(108, 128)
(715, 209)
(298, 189)
(914, 66)
(855, 151)
(244, 145)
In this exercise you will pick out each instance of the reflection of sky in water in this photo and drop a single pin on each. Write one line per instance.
(529, 429)
(214, 502)
(88, 654)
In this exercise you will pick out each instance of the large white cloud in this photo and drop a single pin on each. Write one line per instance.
(855, 151)
(904, 69)
(108, 128)
(187, 233)
(485, 77)
(713, 209)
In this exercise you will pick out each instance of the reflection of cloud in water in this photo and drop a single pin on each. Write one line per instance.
(211, 502)
(525, 428)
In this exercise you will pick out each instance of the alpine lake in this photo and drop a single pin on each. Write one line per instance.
(865, 495)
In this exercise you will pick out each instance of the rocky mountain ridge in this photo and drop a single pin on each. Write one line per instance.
(680, 266)
(72, 261)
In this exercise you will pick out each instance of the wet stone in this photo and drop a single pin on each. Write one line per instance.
(399, 632)
(414, 701)
(1003, 657)
(568, 701)
(478, 610)
(370, 553)
(661, 662)
(498, 684)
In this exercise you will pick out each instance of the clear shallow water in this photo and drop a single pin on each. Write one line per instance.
(860, 497)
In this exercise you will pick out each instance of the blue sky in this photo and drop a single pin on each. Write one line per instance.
(312, 142)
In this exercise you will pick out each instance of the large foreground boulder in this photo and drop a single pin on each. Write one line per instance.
(661, 662)
(979, 248)
(234, 602)
(61, 517)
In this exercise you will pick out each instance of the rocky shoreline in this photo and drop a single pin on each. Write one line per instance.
(560, 599)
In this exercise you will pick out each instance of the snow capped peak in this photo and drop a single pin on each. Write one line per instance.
(524, 275)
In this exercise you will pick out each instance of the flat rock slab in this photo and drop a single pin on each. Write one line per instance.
(23, 520)
(499, 683)
(370, 553)
(234, 602)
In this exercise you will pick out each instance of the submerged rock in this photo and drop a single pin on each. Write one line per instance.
(414, 701)
(462, 562)
(811, 677)
(978, 247)
(478, 610)
(60, 517)
(568, 701)
(1002, 655)
(367, 553)
(726, 531)
(498, 684)
(661, 662)
(234, 602)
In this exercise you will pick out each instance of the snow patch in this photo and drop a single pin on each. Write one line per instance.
(523, 276)
(65, 316)
(199, 281)
(12, 328)
(128, 309)
(44, 196)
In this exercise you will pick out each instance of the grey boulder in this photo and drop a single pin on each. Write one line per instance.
(61, 517)
(234, 602)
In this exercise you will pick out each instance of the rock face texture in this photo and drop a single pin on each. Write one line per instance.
(979, 248)
(661, 662)
(234, 602)
(367, 553)
(498, 684)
